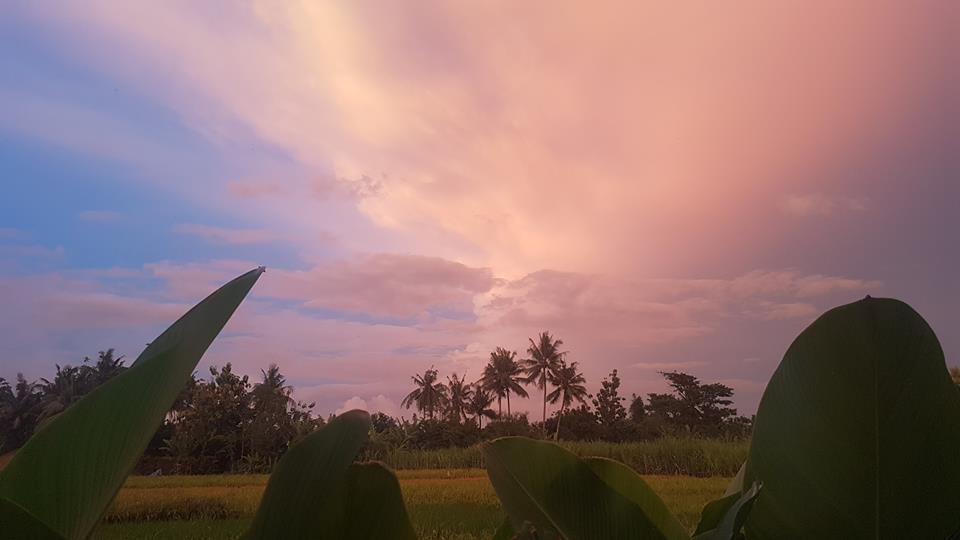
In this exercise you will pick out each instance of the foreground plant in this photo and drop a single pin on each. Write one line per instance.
(856, 437)
(61, 482)
(63, 479)
(316, 491)
(858, 431)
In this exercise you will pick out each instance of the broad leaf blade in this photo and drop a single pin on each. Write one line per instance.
(560, 495)
(857, 432)
(504, 531)
(628, 483)
(15, 522)
(303, 498)
(723, 519)
(736, 485)
(714, 511)
(374, 505)
(69, 471)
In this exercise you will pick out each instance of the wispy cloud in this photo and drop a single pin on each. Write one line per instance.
(670, 366)
(225, 235)
(818, 204)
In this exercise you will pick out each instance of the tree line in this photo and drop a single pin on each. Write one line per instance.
(222, 423)
(226, 422)
(692, 407)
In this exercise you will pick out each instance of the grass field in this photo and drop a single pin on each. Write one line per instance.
(665, 456)
(450, 504)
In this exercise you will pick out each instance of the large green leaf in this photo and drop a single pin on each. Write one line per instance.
(69, 471)
(374, 506)
(15, 522)
(628, 483)
(723, 518)
(558, 493)
(858, 431)
(305, 495)
(504, 531)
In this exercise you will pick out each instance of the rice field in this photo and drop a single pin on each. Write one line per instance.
(444, 504)
(665, 456)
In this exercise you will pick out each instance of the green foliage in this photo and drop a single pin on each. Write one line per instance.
(694, 406)
(857, 432)
(227, 424)
(29, 405)
(723, 518)
(14, 519)
(316, 490)
(70, 470)
(562, 496)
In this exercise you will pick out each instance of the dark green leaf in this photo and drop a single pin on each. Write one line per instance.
(857, 432)
(561, 496)
(727, 516)
(15, 522)
(504, 531)
(714, 511)
(69, 471)
(628, 483)
(374, 505)
(304, 497)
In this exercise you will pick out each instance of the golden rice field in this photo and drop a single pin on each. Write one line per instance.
(448, 504)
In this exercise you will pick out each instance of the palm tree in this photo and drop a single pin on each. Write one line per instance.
(429, 395)
(569, 388)
(459, 400)
(544, 361)
(273, 389)
(20, 418)
(479, 404)
(502, 376)
(105, 368)
(68, 386)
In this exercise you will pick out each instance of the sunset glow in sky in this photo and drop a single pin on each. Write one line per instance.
(663, 186)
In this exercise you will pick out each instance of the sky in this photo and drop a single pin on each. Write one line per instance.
(664, 186)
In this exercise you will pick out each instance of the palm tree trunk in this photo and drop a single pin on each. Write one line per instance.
(500, 407)
(544, 404)
(556, 436)
(508, 404)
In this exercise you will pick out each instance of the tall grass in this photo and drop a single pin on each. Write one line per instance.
(667, 455)
(443, 504)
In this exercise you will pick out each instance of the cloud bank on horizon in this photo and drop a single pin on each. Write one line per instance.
(664, 187)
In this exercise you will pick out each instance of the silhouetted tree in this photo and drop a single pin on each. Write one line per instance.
(503, 376)
(479, 405)
(570, 387)
(637, 411)
(693, 405)
(459, 399)
(429, 395)
(608, 404)
(544, 361)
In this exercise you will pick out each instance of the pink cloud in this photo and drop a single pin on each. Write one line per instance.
(252, 190)
(224, 235)
(818, 204)
(386, 285)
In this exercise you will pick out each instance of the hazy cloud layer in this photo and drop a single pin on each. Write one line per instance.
(663, 186)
